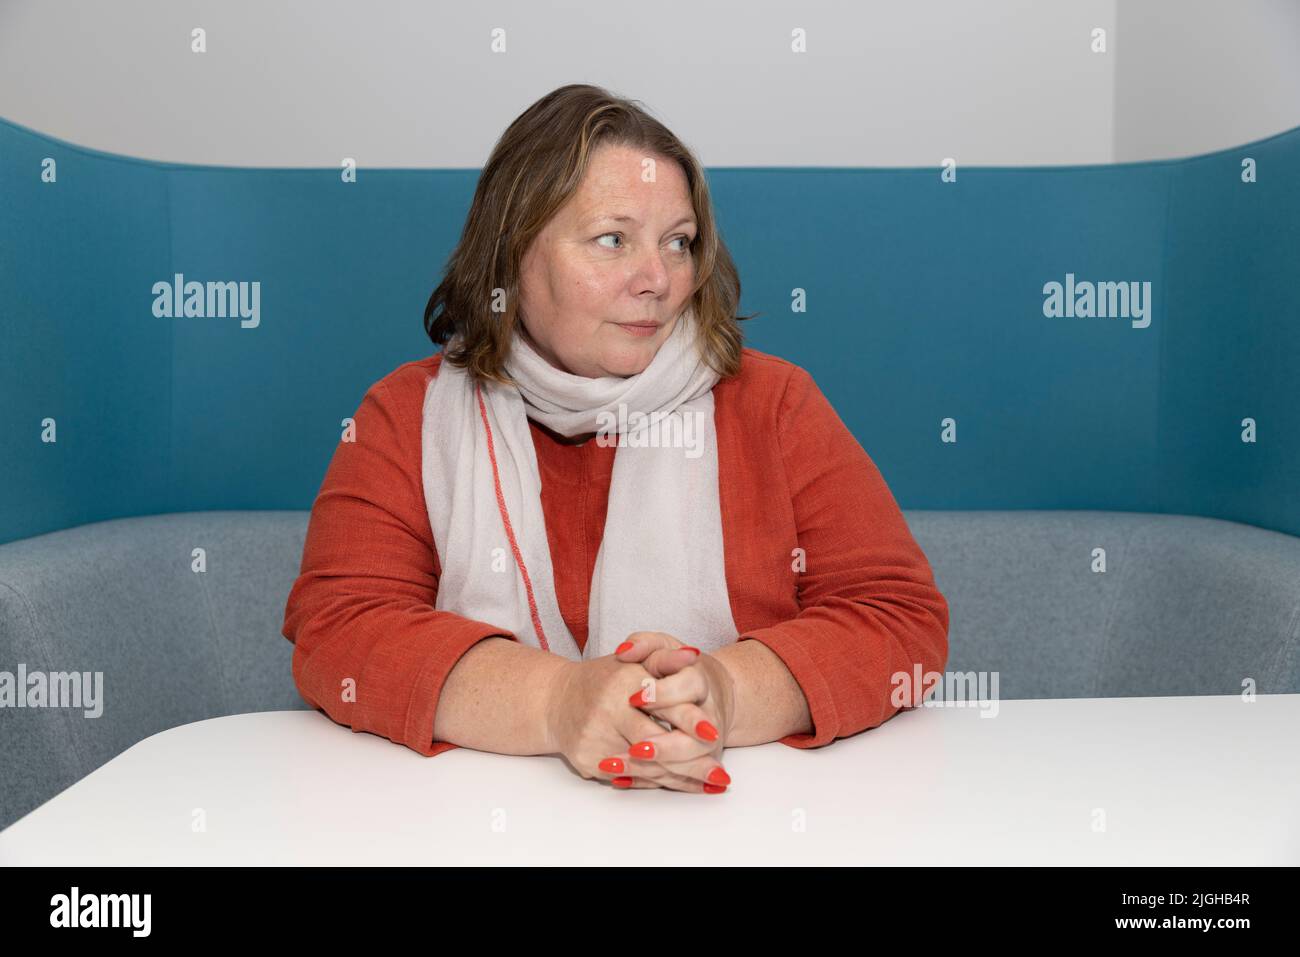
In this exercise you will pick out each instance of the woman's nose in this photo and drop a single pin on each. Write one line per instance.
(651, 270)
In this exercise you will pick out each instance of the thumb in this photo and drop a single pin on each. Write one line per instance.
(658, 652)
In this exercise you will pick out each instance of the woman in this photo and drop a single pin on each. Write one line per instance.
(556, 535)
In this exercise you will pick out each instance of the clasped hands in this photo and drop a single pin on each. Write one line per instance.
(604, 715)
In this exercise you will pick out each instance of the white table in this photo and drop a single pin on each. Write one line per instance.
(1179, 780)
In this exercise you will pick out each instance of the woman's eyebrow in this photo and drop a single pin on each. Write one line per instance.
(598, 217)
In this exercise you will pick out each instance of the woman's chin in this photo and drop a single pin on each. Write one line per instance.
(628, 364)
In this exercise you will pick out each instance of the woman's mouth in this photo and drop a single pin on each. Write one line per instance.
(639, 328)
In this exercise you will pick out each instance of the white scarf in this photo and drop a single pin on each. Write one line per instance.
(660, 565)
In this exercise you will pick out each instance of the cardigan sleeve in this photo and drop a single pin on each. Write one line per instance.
(869, 607)
(370, 649)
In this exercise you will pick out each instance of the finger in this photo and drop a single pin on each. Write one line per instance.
(631, 728)
(640, 645)
(690, 685)
(672, 745)
(646, 770)
(705, 770)
(674, 782)
(625, 783)
(663, 662)
(635, 726)
(698, 767)
(689, 719)
(683, 782)
(693, 732)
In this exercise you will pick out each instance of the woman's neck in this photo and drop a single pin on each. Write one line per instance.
(564, 439)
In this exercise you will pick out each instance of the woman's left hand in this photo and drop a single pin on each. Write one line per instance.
(695, 695)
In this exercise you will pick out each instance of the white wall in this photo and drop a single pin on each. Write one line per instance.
(1195, 76)
(290, 83)
(415, 84)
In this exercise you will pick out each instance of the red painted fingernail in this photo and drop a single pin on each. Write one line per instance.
(637, 700)
(612, 765)
(689, 648)
(713, 789)
(719, 776)
(626, 646)
(642, 749)
(624, 782)
(706, 731)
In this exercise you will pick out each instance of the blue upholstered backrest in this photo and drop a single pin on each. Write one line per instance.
(924, 303)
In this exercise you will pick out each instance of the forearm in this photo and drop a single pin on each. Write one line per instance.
(495, 698)
(769, 702)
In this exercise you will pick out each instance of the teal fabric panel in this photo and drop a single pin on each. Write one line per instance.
(345, 272)
(924, 302)
(1234, 351)
(76, 346)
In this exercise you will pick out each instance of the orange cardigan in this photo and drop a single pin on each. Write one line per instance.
(820, 564)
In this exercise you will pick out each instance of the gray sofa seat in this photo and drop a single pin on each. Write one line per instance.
(1185, 606)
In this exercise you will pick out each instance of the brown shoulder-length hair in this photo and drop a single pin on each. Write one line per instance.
(534, 169)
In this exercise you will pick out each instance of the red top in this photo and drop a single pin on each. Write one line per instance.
(820, 564)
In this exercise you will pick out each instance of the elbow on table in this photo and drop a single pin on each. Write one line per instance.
(924, 651)
(937, 628)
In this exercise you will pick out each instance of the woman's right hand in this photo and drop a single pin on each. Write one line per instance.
(589, 718)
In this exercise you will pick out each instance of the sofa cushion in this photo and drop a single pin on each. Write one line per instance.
(1185, 606)
(174, 645)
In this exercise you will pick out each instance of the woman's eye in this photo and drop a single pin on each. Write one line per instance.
(619, 236)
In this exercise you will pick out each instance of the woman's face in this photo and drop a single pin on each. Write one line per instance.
(603, 282)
